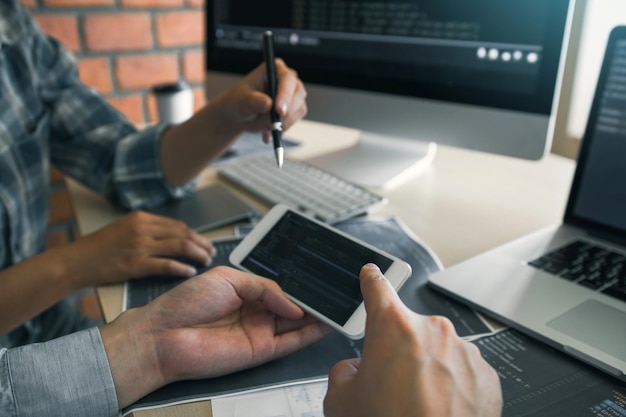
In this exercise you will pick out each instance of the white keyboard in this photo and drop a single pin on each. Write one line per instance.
(301, 187)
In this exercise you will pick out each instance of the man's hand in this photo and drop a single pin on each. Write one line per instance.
(187, 148)
(139, 244)
(213, 324)
(248, 105)
(411, 366)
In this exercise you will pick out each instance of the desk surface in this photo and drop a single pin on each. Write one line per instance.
(464, 203)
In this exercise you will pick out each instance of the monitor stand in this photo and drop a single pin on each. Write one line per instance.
(377, 161)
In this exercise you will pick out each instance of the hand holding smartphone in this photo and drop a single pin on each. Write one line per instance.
(317, 266)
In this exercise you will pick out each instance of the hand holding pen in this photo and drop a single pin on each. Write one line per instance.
(277, 126)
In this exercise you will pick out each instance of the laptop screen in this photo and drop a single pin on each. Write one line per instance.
(599, 191)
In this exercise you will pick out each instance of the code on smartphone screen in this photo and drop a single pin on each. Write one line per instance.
(314, 265)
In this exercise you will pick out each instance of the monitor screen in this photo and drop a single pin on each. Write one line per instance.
(481, 75)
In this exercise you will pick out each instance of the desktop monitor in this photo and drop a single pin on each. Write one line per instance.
(480, 74)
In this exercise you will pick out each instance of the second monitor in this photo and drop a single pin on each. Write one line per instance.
(483, 75)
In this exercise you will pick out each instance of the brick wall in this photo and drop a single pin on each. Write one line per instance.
(124, 47)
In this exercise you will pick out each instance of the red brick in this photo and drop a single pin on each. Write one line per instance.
(96, 73)
(144, 71)
(118, 31)
(64, 28)
(153, 115)
(78, 3)
(193, 66)
(131, 106)
(180, 28)
(146, 4)
(31, 4)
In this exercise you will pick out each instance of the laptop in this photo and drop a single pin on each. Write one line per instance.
(566, 285)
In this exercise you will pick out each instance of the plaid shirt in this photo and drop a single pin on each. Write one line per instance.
(48, 117)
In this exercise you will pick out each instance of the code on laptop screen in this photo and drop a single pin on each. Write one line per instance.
(602, 194)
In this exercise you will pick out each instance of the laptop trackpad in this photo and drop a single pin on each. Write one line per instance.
(596, 324)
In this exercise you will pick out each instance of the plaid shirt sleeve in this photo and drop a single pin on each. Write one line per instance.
(93, 142)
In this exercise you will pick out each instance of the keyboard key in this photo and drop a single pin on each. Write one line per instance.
(591, 266)
(617, 291)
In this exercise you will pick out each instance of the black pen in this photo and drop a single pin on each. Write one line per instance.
(277, 125)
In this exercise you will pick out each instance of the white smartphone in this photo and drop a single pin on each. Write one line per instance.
(317, 266)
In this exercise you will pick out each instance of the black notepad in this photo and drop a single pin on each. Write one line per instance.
(209, 207)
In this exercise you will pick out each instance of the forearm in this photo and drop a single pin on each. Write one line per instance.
(132, 357)
(186, 149)
(32, 286)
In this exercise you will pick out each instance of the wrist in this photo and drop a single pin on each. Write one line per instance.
(82, 265)
(185, 150)
(225, 119)
(131, 351)
(62, 268)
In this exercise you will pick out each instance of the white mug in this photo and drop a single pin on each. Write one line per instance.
(174, 101)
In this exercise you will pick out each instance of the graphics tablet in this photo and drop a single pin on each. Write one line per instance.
(210, 207)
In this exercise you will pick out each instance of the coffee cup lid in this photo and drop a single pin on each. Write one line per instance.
(174, 87)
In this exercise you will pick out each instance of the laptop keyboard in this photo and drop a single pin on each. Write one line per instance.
(587, 264)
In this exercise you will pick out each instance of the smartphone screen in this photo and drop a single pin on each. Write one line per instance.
(314, 265)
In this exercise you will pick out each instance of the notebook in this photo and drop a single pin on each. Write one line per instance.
(566, 285)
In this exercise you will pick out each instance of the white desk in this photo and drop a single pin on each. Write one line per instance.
(464, 203)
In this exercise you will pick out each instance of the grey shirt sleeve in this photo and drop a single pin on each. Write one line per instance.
(69, 376)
